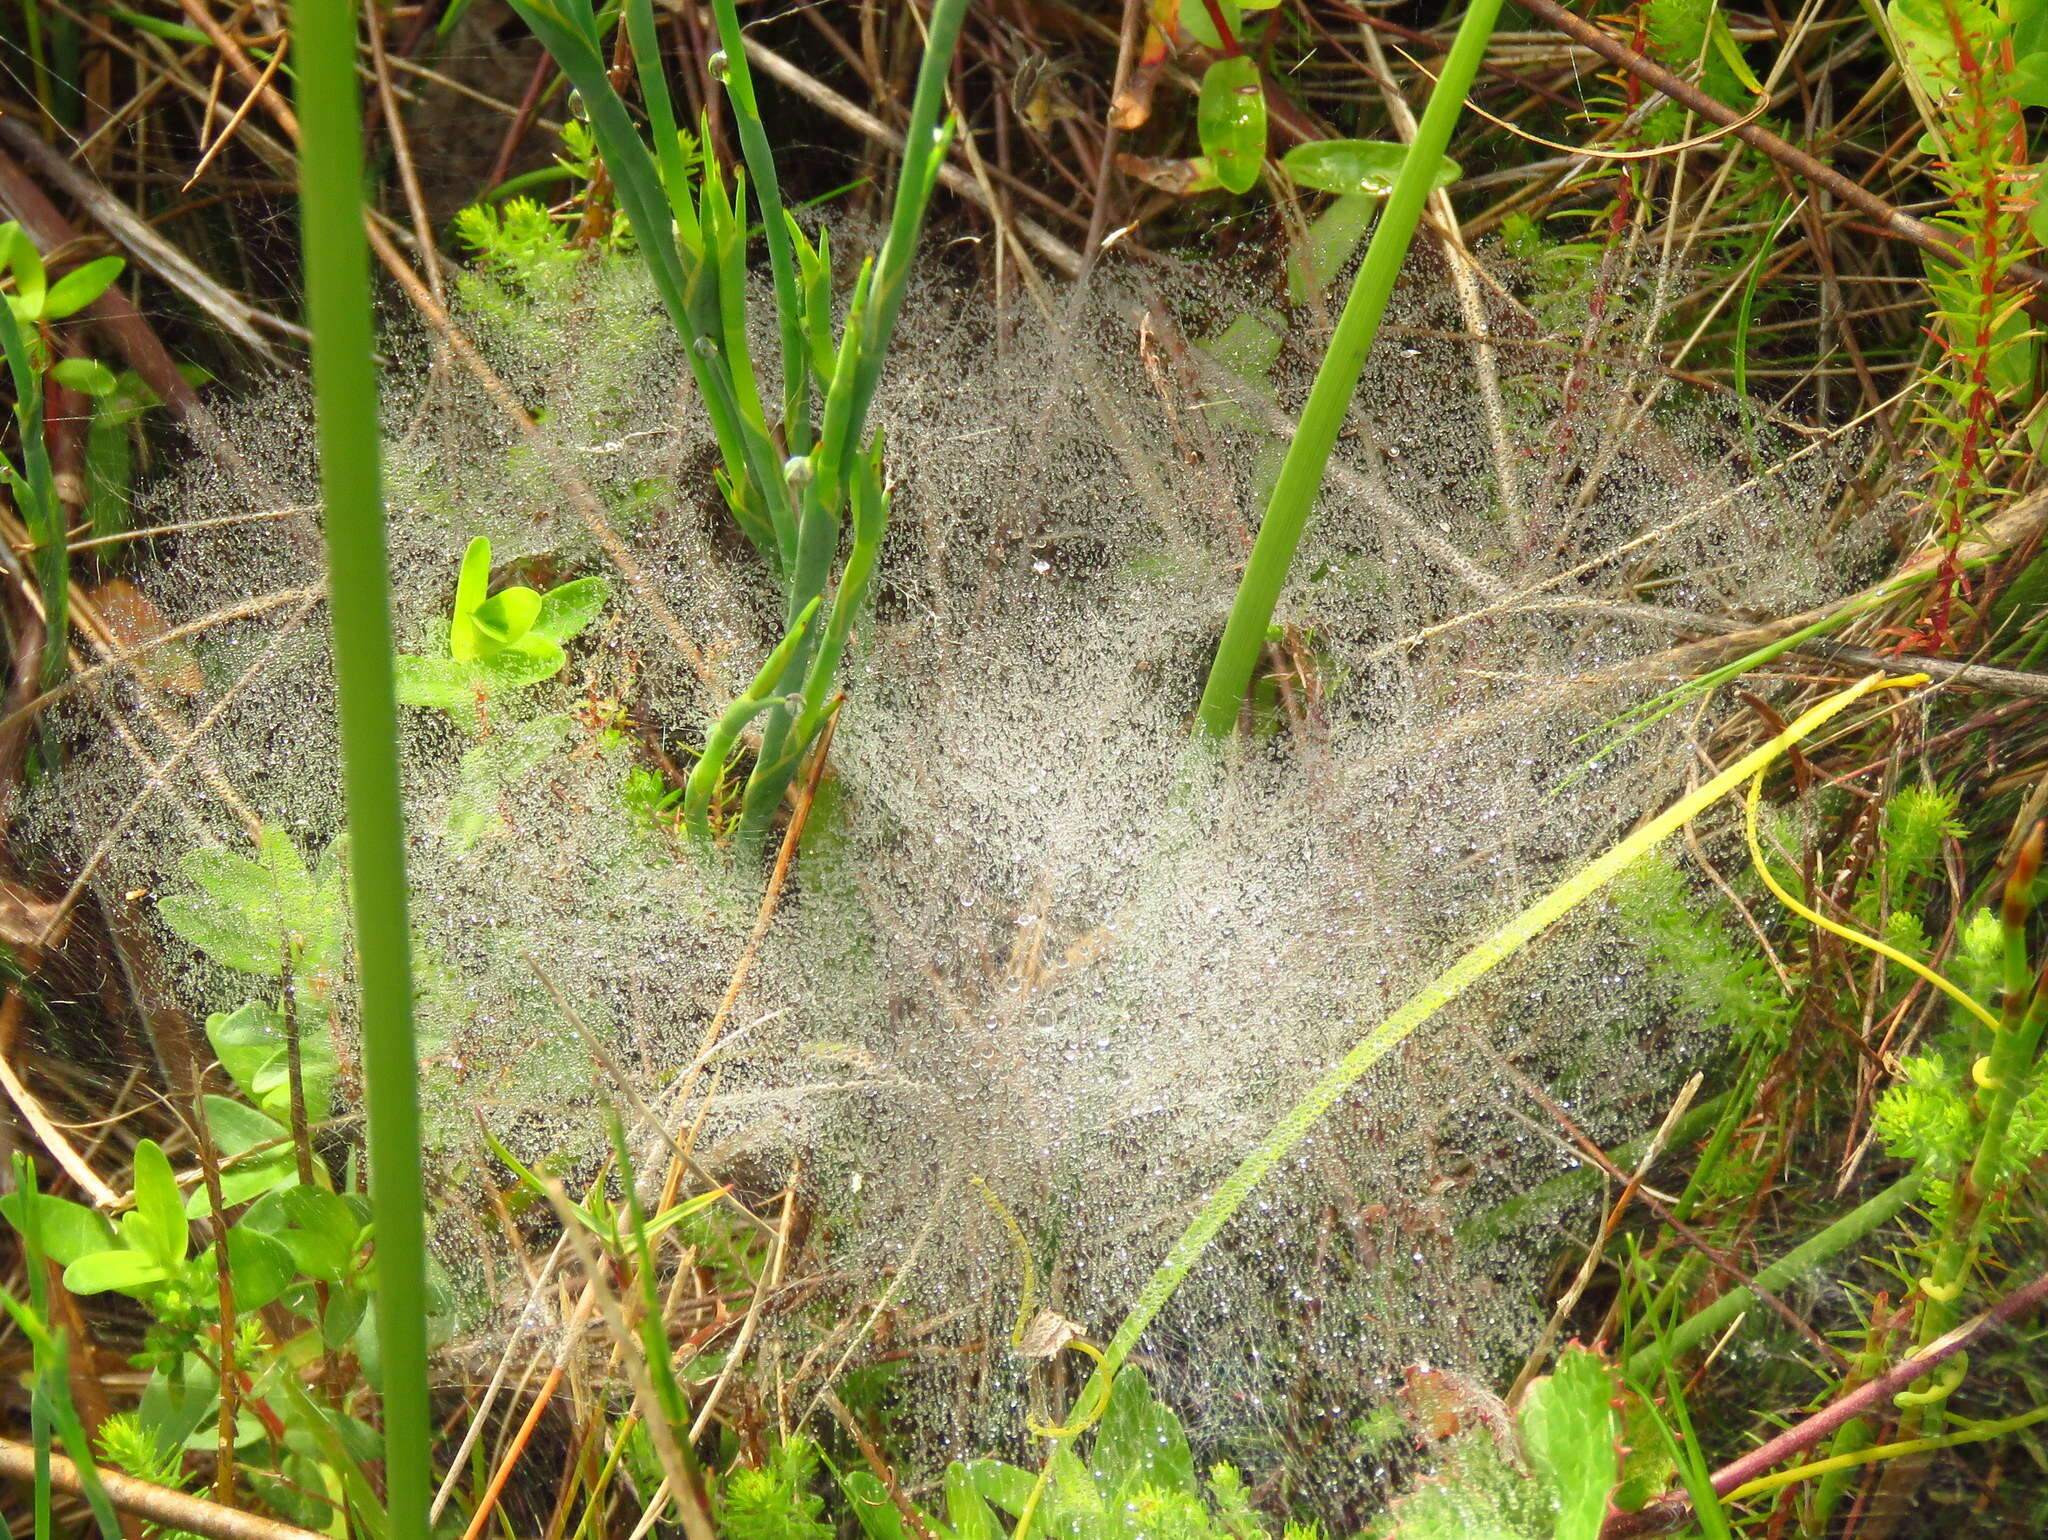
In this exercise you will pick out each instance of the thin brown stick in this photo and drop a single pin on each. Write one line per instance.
(480, 1520)
(40, 1124)
(762, 919)
(161, 1505)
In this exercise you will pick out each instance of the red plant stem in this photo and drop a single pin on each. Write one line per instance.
(1231, 47)
(1890, 221)
(1672, 1513)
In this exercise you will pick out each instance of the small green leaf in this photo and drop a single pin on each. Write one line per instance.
(248, 911)
(965, 1508)
(533, 660)
(250, 1043)
(318, 1229)
(873, 1509)
(120, 1269)
(67, 1230)
(568, 609)
(1568, 1428)
(471, 584)
(1197, 22)
(81, 286)
(87, 376)
(221, 933)
(1231, 120)
(236, 1129)
(344, 1318)
(31, 282)
(1007, 1486)
(1141, 1443)
(435, 682)
(1355, 166)
(159, 1217)
(1332, 237)
(1926, 32)
(247, 1041)
(503, 619)
(259, 1266)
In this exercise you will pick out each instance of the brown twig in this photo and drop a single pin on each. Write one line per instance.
(161, 1505)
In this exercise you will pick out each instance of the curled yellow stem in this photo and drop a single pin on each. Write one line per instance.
(1849, 933)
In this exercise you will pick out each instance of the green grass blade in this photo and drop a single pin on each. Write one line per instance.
(345, 398)
(1301, 474)
(36, 490)
(789, 312)
(1387, 1035)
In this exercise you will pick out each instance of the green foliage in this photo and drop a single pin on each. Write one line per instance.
(1917, 820)
(791, 487)
(1556, 1485)
(1231, 121)
(32, 304)
(128, 1445)
(257, 916)
(498, 643)
(36, 301)
(517, 242)
(1694, 954)
(1568, 1429)
(1357, 166)
(776, 1501)
(1693, 35)
(1921, 1117)
(298, 1253)
(1138, 1482)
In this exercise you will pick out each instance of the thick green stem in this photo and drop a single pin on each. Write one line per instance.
(1645, 1366)
(345, 396)
(725, 732)
(1301, 474)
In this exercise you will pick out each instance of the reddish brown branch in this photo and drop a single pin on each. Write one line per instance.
(1674, 1512)
(1892, 221)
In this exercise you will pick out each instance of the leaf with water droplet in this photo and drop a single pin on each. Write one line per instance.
(1355, 166)
(1231, 120)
